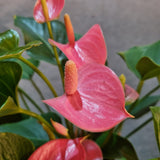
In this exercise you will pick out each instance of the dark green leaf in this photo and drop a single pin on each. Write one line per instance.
(36, 31)
(29, 128)
(10, 74)
(142, 106)
(15, 147)
(156, 117)
(8, 40)
(119, 147)
(143, 61)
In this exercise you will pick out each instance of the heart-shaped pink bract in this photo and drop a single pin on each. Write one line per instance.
(98, 103)
(54, 9)
(68, 149)
(91, 48)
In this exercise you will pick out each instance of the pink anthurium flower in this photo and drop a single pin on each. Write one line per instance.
(90, 48)
(94, 97)
(130, 95)
(54, 8)
(68, 149)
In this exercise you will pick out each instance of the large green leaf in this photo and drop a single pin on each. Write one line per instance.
(15, 147)
(29, 128)
(8, 40)
(156, 117)
(35, 31)
(10, 74)
(143, 61)
(142, 105)
(116, 147)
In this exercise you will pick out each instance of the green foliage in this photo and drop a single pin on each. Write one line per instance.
(142, 105)
(10, 74)
(156, 117)
(14, 147)
(143, 61)
(35, 31)
(28, 128)
(115, 146)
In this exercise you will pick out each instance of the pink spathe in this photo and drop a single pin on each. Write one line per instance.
(99, 102)
(67, 149)
(54, 8)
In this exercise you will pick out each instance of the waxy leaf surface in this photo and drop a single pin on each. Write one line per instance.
(14, 147)
(35, 31)
(143, 61)
(98, 103)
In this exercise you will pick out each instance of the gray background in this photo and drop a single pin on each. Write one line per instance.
(125, 23)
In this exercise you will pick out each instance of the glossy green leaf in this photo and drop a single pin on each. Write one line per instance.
(15, 147)
(9, 108)
(118, 147)
(36, 31)
(8, 40)
(29, 128)
(156, 117)
(142, 105)
(10, 74)
(143, 61)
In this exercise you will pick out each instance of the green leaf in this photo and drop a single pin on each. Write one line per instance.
(156, 117)
(8, 40)
(143, 61)
(142, 105)
(36, 31)
(9, 108)
(15, 147)
(10, 74)
(155, 158)
(118, 147)
(28, 128)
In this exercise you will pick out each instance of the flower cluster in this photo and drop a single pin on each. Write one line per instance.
(94, 98)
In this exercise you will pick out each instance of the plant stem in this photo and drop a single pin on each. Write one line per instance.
(31, 100)
(39, 73)
(40, 118)
(138, 128)
(46, 15)
(38, 90)
(140, 85)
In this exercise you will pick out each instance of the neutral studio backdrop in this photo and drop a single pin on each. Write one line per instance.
(125, 23)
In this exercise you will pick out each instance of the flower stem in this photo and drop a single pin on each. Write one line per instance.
(39, 73)
(46, 15)
(30, 99)
(140, 85)
(138, 128)
(40, 118)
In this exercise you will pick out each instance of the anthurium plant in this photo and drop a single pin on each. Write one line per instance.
(85, 122)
